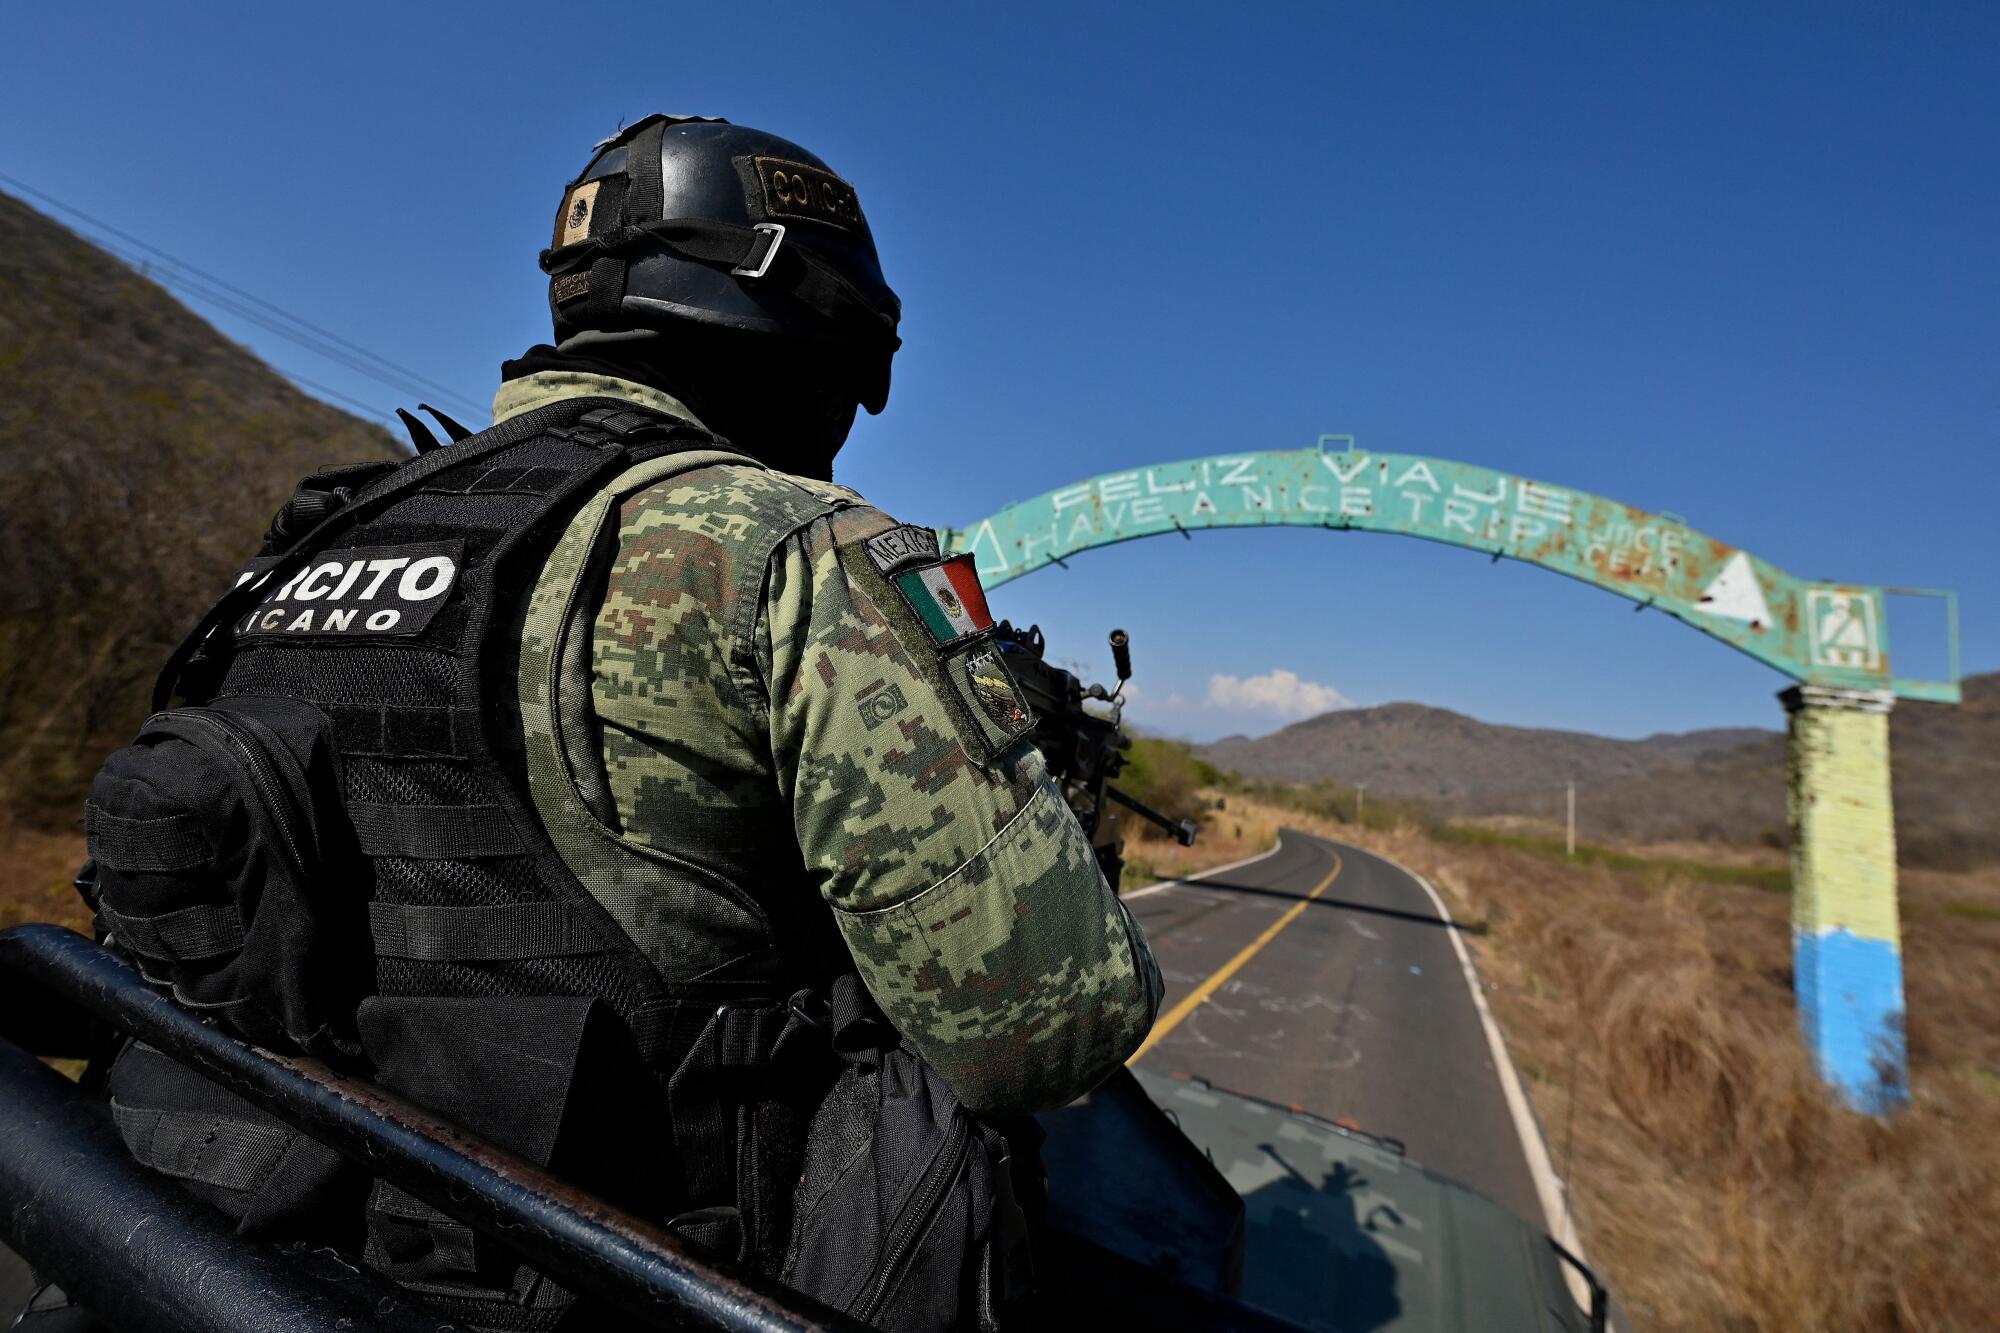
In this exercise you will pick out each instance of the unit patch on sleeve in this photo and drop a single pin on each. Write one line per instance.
(880, 702)
(378, 590)
(987, 688)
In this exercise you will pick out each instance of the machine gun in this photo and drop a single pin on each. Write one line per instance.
(1085, 749)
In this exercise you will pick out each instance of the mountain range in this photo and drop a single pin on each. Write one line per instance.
(1410, 749)
(1725, 784)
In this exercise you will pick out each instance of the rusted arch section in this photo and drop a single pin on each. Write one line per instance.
(1834, 634)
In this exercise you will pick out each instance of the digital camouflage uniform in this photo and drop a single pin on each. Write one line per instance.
(770, 732)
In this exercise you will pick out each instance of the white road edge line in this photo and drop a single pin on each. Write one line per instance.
(1549, 1187)
(1157, 885)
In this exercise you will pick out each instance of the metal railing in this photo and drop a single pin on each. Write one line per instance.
(142, 1254)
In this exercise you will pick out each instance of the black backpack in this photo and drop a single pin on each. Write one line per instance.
(221, 858)
(906, 1216)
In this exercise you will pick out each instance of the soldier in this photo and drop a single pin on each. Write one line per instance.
(788, 684)
(791, 701)
(661, 753)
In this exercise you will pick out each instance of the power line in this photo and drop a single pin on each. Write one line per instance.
(275, 319)
(318, 342)
(323, 391)
(179, 283)
(173, 282)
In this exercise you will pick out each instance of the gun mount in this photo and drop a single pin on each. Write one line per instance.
(1085, 749)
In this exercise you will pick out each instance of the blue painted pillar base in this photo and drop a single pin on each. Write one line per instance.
(1850, 993)
(1847, 955)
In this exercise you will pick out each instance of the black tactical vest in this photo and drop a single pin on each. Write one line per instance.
(376, 652)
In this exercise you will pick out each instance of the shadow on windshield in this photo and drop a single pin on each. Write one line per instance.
(1309, 1254)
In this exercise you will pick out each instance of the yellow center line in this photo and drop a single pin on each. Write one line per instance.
(1172, 1018)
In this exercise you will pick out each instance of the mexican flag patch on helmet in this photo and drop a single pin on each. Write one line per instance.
(947, 598)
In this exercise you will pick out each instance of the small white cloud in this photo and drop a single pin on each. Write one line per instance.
(1280, 692)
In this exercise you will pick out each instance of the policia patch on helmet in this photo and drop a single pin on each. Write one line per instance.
(808, 194)
(938, 609)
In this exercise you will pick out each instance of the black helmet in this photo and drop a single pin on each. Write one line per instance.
(682, 219)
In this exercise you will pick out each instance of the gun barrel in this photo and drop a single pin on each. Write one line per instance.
(1184, 830)
(1121, 654)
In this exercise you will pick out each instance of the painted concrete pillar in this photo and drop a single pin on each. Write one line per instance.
(1846, 950)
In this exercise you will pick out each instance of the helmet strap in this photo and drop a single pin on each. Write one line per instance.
(630, 198)
(604, 287)
(814, 283)
(645, 197)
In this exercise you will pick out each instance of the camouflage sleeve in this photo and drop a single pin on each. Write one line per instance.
(963, 885)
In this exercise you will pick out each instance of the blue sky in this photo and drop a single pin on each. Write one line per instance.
(1733, 261)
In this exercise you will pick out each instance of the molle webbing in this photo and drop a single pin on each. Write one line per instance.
(189, 934)
(219, 1150)
(171, 843)
(479, 934)
(378, 729)
(433, 832)
(469, 897)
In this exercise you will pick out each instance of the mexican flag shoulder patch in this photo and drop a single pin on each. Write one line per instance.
(947, 598)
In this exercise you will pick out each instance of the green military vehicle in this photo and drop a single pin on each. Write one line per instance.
(1280, 1215)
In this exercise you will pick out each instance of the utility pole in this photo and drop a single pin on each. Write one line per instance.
(1360, 801)
(1570, 840)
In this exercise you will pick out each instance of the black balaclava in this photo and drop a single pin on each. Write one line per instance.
(787, 402)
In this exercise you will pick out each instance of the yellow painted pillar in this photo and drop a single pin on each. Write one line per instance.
(1846, 947)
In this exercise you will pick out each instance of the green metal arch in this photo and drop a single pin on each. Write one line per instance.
(1834, 634)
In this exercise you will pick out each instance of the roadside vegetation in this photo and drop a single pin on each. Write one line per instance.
(1773, 874)
(1170, 776)
(1646, 997)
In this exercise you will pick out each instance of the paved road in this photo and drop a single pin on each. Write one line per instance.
(1355, 1009)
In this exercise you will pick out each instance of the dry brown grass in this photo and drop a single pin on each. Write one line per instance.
(35, 872)
(1241, 830)
(1716, 1182)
